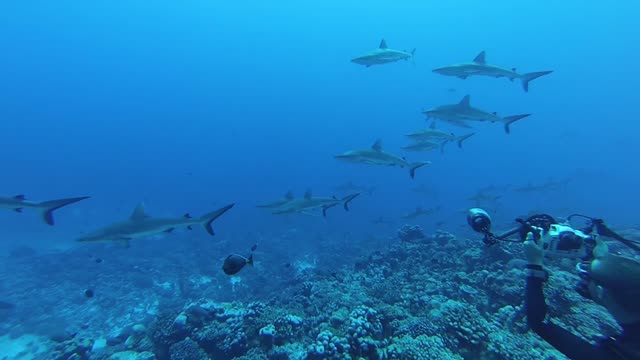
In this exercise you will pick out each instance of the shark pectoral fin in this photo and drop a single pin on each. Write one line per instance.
(18, 210)
(19, 197)
(207, 219)
(169, 230)
(463, 77)
(190, 227)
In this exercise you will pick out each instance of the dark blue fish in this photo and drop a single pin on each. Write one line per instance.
(234, 263)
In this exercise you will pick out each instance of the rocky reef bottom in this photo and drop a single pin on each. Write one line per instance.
(423, 297)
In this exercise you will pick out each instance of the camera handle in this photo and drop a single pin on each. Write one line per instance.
(603, 230)
(524, 228)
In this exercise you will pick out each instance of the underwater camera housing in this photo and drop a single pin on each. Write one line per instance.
(556, 239)
(564, 241)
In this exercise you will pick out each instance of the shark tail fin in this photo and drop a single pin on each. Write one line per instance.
(526, 78)
(250, 260)
(50, 206)
(207, 219)
(415, 166)
(327, 207)
(463, 138)
(443, 145)
(347, 199)
(511, 119)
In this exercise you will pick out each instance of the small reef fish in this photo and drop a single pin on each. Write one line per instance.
(234, 263)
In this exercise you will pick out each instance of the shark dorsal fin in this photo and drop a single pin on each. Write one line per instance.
(187, 216)
(432, 126)
(19, 197)
(418, 209)
(138, 213)
(383, 44)
(480, 59)
(466, 101)
(289, 195)
(308, 194)
(377, 146)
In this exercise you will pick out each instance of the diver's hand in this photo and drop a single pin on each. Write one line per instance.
(601, 249)
(533, 251)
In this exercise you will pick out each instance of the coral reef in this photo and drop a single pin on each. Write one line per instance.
(422, 297)
(411, 233)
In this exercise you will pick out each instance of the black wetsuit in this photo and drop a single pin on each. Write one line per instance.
(565, 341)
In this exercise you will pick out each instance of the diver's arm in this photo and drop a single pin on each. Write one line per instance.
(534, 296)
(536, 276)
(563, 340)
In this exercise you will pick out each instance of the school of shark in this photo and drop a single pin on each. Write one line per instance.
(461, 114)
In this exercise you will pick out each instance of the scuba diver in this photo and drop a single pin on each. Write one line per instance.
(610, 280)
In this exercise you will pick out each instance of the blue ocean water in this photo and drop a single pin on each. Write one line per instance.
(188, 106)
